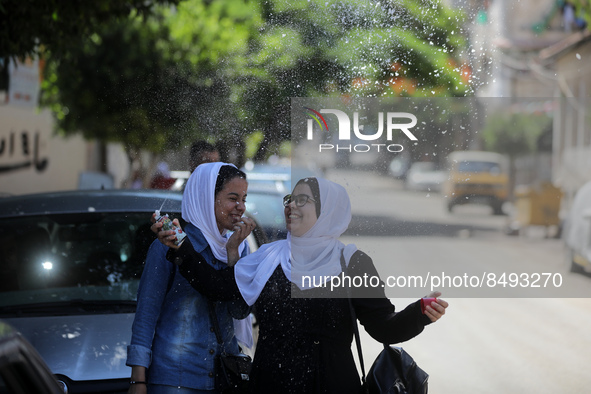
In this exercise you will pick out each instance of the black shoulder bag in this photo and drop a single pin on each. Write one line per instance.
(231, 370)
(394, 371)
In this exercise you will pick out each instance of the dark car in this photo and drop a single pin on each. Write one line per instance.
(265, 205)
(276, 177)
(70, 264)
(22, 370)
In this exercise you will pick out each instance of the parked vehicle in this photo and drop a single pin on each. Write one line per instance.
(22, 370)
(577, 231)
(70, 265)
(265, 205)
(276, 177)
(261, 176)
(424, 176)
(476, 177)
(399, 166)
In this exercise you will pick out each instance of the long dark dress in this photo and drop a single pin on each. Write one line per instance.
(304, 344)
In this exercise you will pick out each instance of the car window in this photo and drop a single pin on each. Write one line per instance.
(479, 166)
(267, 209)
(60, 258)
(277, 178)
(423, 167)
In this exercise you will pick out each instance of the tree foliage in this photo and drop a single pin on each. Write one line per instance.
(514, 134)
(145, 83)
(119, 86)
(230, 67)
(30, 26)
(583, 10)
(353, 48)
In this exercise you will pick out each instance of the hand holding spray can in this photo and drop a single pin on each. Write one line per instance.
(168, 225)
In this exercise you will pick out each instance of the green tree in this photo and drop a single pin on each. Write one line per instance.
(583, 10)
(353, 48)
(213, 36)
(150, 84)
(27, 27)
(514, 135)
(228, 68)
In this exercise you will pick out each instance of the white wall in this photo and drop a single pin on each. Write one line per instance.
(21, 170)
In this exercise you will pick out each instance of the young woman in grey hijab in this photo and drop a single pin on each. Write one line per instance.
(306, 330)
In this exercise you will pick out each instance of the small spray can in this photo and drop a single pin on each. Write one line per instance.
(168, 225)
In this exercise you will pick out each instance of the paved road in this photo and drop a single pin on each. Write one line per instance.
(482, 345)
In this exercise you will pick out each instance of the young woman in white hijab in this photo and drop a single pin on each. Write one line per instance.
(305, 333)
(172, 347)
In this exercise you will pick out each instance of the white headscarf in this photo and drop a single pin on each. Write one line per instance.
(198, 207)
(316, 253)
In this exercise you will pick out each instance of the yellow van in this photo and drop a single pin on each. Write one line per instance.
(476, 177)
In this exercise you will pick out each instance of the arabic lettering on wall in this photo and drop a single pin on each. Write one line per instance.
(20, 150)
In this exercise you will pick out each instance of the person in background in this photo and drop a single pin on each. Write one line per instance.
(306, 330)
(162, 178)
(202, 152)
(137, 179)
(172, 348)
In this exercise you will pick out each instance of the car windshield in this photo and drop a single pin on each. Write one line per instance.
(479, 166)
(423, 167)
(267, 210)
(274, 177)
(81, 257)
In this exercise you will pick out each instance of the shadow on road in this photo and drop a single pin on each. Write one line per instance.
(363, 225)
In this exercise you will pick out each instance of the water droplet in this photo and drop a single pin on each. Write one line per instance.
(578, 55)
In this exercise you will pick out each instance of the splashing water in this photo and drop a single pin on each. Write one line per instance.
(161, 206)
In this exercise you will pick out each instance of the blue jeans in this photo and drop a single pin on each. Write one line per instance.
(162, 389)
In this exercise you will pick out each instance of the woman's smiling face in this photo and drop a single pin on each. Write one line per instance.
(300, 219)
(229, 203)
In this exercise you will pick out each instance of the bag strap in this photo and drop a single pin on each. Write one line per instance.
(214, 321)
(213, 317)
(355, 326)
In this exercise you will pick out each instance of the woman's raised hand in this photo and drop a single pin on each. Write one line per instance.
(241, 230)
